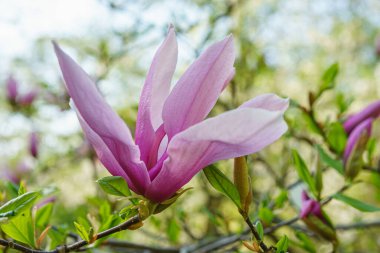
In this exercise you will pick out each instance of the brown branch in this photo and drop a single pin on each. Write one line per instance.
(358, 225)
(263, 246)
(273, 228)
(77, 245)
(130, 245)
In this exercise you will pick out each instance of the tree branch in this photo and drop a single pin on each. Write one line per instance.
(263, 246)
(358, 225)
(77, 245)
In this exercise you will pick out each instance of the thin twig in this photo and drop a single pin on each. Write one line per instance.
(263, 246)
(77, 245)
(130, 245)
(358, 225)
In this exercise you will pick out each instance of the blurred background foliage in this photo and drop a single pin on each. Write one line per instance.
(282, 47)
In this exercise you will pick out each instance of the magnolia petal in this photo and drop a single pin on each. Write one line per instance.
(12, 88)
(270, 102)
(155, 92)
(193, 97)
(371, 111)
(104, 154)
(100, 117)
(355, 136)
(235, 133)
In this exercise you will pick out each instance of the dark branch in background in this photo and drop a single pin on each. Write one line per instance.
(358, 225)
(372, 169)
(135, 246)
(209, 246)
(77, 245)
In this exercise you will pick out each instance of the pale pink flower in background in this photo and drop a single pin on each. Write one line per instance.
(33, 144)
(11, 89)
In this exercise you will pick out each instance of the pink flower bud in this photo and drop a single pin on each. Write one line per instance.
(15, 174)
(28, 98)
(310, 207)
(12, 89)
(46, 201)
(377, 46)
(33, 144)
(371, 111)
(315, 219)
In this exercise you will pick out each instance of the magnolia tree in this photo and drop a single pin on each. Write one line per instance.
(269, 174)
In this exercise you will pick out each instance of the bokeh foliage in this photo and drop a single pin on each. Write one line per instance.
(323, 55)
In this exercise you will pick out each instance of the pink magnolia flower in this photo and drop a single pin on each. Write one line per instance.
(33, 144)
(28, 98)
(315, 219)
(371, 111)
(12, 89)
(45, 201)
(173, 142)
(16, 173)
(15, 97)
(310, 207)
(358, 127)
(356, 138)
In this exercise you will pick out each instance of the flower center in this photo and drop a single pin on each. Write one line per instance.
(159, 135)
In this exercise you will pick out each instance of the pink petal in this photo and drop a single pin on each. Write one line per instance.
(198, 89)
(364, 128)
(155, 92)
(270, 102)
(12, 88)
(101, 119)
(235, 133)
(371, 111)
(306, 208)
(104, 154)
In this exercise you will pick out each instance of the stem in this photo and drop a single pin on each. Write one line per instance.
(256, 235)
(358, 225)
(129, 245)
(77, 245)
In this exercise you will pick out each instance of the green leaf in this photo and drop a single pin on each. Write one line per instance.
(260, 229)
(43, 215)
(173, 231)
(266, 215)
(342, 102)
(128, 211)
(307, 244)
(57, 236)
(82, 231)
(336, 137)
(281, 198)
(303, 172)
(329, 161)
(361, 206)
(315, 224)
(20, 229)
(282, 245)
(18, 205)
(371, 147)
(328, 77)
(221, 183)
(167, 203)
(22, 188)
(115, 186)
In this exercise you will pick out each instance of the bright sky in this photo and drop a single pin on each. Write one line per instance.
(22, 21)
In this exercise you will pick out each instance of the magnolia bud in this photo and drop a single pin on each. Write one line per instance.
(243, 183)
(33, 144)
(356, 145)
(315, 219)
(12, 89)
